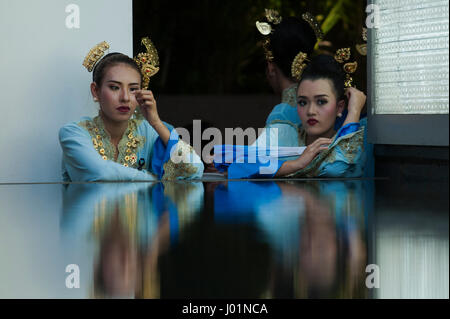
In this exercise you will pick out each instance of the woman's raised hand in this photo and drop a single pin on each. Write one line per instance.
(312, 151)
(290, 167)
(356, 100)
(147, 103)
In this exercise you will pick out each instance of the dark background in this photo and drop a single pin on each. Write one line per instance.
(211, 46)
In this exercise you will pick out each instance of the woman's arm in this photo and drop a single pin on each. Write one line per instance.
(174, 159)
(356, 102)
(307, 156)
(147, 103)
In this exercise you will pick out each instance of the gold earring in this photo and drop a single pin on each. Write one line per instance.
(95, 99)
(339, 114)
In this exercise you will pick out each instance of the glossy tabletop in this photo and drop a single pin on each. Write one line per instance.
(225, 239)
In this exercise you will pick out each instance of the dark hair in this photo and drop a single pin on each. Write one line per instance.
(326, 67)
(290, 37)
(110, 60)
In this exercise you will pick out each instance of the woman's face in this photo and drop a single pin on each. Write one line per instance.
(116, 93)
(317, 107)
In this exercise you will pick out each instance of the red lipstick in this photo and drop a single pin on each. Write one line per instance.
(123, 109)
(312, 122)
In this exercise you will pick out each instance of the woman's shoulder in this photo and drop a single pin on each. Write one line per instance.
(75, 127)
(283, 112)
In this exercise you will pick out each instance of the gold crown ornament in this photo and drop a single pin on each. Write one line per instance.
(298, 65)
(267, 52)
(95, 55)
(342, 56)
(312, 21)
(273, 16)
(148, 62)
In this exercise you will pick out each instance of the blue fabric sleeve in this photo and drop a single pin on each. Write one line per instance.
(236, 170)
(348, 129)
(161, 153)
(343, 166)
(83, 163)
(254, 170)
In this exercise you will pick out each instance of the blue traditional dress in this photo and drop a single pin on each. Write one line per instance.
(89, 155)
(345, 157)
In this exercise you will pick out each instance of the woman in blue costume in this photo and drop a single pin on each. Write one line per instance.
(284, 38)
(121, 144)
(321, 100)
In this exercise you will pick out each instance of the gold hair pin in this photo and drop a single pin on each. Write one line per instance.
(362, 48)
(308, 17)
(148, 62)
(94, 55)
(267, 52)
(273, 16)
(299, 65)
(342, 56)
(263, 27)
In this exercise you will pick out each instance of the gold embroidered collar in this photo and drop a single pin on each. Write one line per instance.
(349, 145)
(128, 146)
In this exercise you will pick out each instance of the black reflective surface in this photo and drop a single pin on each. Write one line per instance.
(225, 239)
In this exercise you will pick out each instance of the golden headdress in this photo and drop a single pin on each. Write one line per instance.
(312, 21)
(298, 65)
(95, 55)
(342, 56)
(265, 28)
(148, 62)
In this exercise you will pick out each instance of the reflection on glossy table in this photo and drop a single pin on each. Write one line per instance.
(224, 239)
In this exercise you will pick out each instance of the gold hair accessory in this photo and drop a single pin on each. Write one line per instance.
(268, 53)
(148, 62)
(94, 55)
(273, 16)
(362, 48)
(263, 27)
(298, 65)
(350, 67)
(308, 17)
(342, 56)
